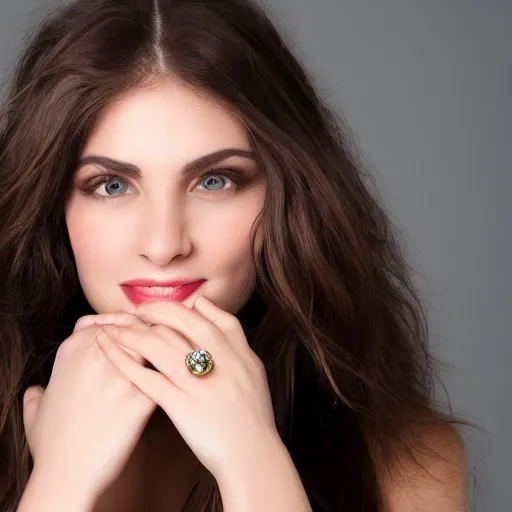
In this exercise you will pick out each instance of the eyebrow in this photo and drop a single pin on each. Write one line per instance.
(190, 168)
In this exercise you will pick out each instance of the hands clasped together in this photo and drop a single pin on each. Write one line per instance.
(100, 395)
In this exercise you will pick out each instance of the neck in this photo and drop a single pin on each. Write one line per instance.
(162, 444)
(162, 470)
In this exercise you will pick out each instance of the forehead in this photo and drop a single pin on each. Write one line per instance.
(168, 121)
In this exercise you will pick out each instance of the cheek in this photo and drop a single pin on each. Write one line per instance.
(227, 239)
(94, 240)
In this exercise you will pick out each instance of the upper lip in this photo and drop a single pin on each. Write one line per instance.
(162, 284)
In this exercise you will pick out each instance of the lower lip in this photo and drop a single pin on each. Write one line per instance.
(178, 294)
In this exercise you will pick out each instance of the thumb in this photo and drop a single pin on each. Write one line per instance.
(31, 399)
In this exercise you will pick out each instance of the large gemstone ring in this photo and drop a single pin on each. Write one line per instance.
(199, 362)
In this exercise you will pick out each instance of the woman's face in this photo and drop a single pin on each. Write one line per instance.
(162, 220)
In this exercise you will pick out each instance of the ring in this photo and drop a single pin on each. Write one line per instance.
(199, 362)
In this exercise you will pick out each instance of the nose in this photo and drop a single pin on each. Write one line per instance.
(162, 233)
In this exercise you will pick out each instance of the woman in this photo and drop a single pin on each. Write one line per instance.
(316, 388)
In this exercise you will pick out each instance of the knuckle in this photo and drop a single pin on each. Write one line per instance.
(257, 364)
(66, 348)
(83, 321)
(231, 323)
(201, 331)
(120, 386)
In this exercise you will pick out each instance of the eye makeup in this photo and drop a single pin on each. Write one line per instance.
(240, 179)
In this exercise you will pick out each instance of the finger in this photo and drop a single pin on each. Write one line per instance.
(150, 382)
(172, 337)
(200, 332)
(228, 324)
(133, 354)
(120, 318)
(167, 359)
(87, 321)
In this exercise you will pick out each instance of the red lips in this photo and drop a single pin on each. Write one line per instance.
(142, 290)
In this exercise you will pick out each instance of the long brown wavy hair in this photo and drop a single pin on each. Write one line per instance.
(336, 316)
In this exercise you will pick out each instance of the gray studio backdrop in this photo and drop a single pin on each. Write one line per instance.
(426, 87)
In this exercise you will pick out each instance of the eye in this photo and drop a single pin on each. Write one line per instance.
(114, 186)
(214, 180)
(107, 186)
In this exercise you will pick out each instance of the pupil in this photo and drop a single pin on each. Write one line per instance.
(113, 187)
(210, 179)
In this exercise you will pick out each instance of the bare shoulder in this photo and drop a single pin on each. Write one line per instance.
(435, 481)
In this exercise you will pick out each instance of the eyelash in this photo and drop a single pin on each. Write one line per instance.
(237, 177)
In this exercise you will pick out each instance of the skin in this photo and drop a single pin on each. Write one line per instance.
(164, 225)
